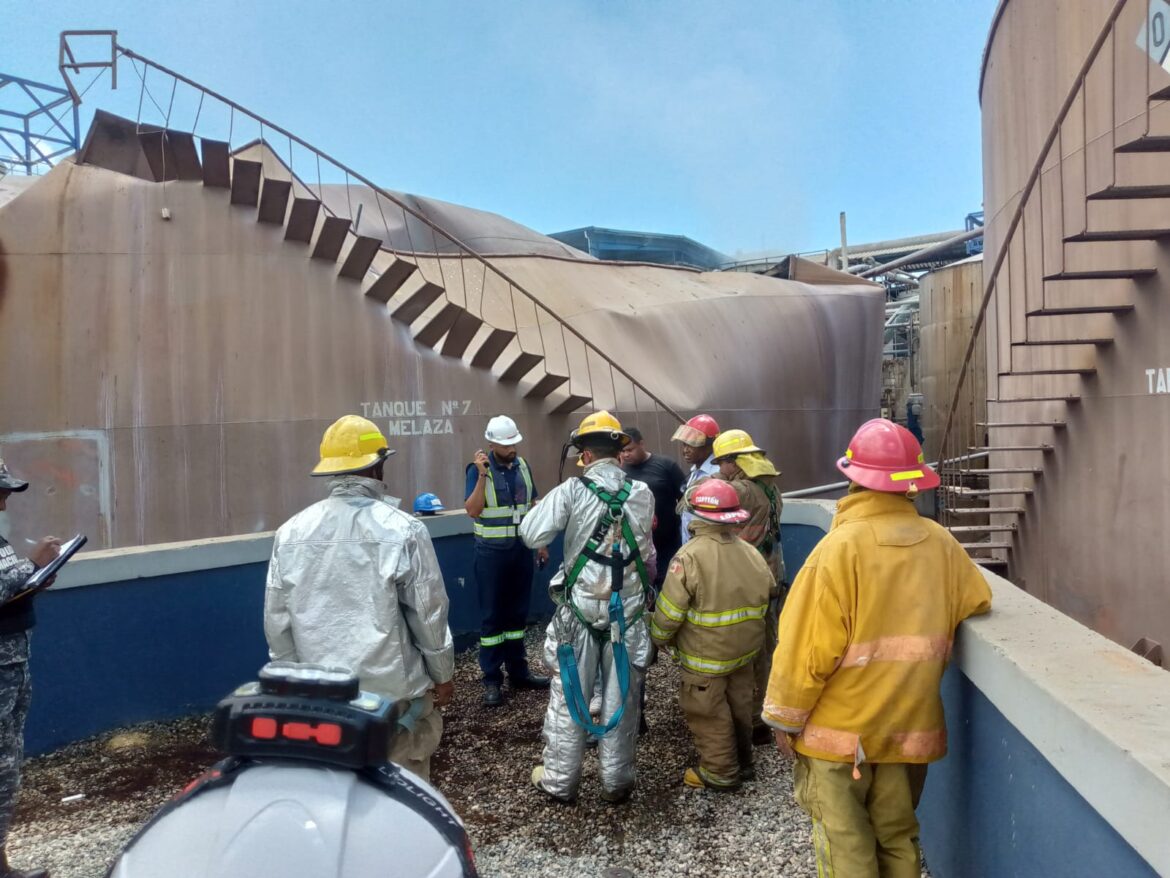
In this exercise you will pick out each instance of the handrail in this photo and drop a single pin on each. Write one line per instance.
(488, 266)
(1021, 206)
(837, 486)
(465, 249)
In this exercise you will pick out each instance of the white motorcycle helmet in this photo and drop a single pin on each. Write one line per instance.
(262, 813)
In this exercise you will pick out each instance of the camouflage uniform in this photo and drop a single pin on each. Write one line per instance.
(14, 686)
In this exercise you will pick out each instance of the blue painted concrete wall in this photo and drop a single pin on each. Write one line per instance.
(797, 542)
(109, 655)
(996, 807)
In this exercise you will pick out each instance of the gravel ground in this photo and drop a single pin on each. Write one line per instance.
(483, 767)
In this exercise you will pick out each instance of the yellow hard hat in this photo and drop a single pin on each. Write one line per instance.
(729, 443)
(350, 445)
(601, 424)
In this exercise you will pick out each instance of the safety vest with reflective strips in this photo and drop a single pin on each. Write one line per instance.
(499, 522)
(713, 602)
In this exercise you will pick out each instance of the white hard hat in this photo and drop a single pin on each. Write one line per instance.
(502, 430)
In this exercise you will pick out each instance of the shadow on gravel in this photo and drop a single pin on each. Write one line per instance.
(486, 760)
(137, 769)
(483, 767)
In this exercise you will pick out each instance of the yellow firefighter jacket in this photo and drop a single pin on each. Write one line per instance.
(866, 633)
(713, 602)
(762, 530)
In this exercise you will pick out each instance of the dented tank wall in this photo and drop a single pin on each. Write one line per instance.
(170, 380)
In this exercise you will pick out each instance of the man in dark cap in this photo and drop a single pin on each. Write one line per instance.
(16, 618)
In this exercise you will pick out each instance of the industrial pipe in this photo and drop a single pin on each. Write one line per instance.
(919, 255)
(901, 277)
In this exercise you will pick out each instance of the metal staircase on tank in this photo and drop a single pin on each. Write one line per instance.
(1077, 256)
(454, 299)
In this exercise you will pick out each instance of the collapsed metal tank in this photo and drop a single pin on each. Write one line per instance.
(180, 319)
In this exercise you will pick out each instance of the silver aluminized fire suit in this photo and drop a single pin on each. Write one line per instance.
(354, 581)
(572, 508)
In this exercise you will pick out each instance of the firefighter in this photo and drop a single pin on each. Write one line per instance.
(354, 582)
(697, 437)
(854, 691)
(16, 618)
(598, 627)
(711, 611)
(500, 491)
(742, 463)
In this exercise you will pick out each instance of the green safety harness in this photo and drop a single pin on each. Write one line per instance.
(772, 539)
(612, 519)
(769, 542)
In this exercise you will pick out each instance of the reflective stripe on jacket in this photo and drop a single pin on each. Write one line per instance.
(498, 519)
(354, 581)
(713, 601)
(866, 633)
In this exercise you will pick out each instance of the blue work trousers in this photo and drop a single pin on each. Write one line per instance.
(504, 579)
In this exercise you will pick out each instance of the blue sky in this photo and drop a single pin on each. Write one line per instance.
(748, 126)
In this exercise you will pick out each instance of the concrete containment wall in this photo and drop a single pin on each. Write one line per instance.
(1059, 758)
(154, 632)
(128, 635)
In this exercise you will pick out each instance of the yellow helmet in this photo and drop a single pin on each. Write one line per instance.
(601, 424)
(350, 445)
(730, 443)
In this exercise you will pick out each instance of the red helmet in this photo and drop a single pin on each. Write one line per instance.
(884, 456)
(698, 431)
(715, 500)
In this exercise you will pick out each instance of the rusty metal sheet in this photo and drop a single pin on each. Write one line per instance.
(1088, 541)
(211, 354)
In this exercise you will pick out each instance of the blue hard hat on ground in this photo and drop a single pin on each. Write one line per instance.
(427, 504)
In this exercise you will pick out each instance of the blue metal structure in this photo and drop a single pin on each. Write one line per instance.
(974, 221)
(626, 246)
(46, 129)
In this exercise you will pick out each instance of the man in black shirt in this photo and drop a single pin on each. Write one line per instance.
(665, 479)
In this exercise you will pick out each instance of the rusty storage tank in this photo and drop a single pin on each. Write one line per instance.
(948, 302)
(170, 378)
(1077, 197)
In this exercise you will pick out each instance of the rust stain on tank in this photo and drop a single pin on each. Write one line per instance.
(3, 274)
(208, 352)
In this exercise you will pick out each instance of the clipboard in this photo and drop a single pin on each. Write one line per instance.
(41, 577)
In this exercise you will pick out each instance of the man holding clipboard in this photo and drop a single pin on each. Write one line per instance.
(16, 618)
